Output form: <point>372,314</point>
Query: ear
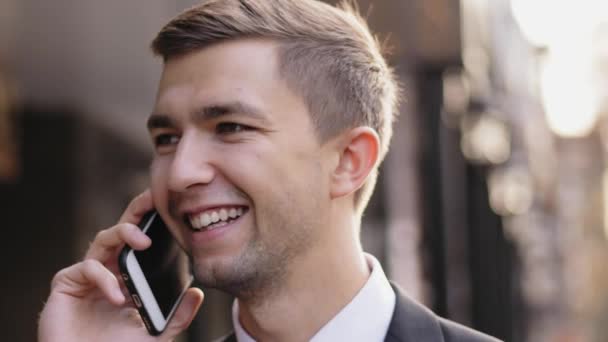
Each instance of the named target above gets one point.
<point>358,150</point>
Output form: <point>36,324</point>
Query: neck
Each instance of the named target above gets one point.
<point>320,283</point>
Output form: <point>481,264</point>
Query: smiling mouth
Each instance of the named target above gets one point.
<point>215,218</point>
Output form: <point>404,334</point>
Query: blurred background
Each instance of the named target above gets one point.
<point>492,207</point>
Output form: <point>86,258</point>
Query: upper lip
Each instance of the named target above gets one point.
<point>199,209</point>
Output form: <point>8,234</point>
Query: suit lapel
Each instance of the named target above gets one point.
<point>412,322</point>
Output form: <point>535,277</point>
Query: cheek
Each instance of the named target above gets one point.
<point>158,187</point>
<point>158,177</point>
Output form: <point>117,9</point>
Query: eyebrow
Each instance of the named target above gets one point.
<point>209,112</point>
<point>230,108</point>
<point>159,121</point>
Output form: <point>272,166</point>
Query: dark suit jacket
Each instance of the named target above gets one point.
<point>413,322</point>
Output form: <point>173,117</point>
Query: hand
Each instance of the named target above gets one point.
<point>88,302</point>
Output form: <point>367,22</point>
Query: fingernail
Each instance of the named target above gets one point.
<point>148,240</point>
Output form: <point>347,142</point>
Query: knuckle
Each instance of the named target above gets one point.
<point>135,202</point>
<point>134,229</point>
<point>101,235</point>
<point>124,230</point>
<point>139,202</point>
<point>90,265</point>
<point>58,276</point>
<point>124,227</point>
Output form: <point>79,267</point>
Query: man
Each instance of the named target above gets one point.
<point>281,110</point>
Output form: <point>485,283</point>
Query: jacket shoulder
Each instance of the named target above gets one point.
<point>412,322</point>
<point>454,332</point>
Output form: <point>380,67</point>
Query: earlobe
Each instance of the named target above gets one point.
<point>358,157</point>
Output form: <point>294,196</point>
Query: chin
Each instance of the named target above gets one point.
<point>211,270</point>
<point>241,276</point>
<point>222,276</point>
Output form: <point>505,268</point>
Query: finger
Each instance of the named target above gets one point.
<point>108,241</point>
<point>184,314</point>
<point>82,278</point>
<point>138,207</point>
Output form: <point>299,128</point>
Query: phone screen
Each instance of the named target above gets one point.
<point>165,266</point>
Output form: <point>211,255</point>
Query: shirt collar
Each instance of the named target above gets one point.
<point>365,318</point>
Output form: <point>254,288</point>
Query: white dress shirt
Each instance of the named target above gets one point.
<point>366,318</point>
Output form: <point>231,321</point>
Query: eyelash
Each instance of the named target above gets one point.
<point>231,128</point>
<point>223,128</point>
<point>161,139</point>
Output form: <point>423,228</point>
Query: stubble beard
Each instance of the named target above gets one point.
<point>261,270</point>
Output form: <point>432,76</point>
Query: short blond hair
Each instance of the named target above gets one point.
<point>327,55</point>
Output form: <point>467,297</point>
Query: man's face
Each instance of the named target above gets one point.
<point>238,172</point>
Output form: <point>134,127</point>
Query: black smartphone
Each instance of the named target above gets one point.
<point>157,278</point>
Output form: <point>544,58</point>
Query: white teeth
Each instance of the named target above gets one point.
<point>217,218</point>
<point>205,220</point>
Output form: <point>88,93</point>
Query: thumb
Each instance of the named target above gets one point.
<point>184,314</point>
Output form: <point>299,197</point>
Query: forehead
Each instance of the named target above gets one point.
<point>241,70</point>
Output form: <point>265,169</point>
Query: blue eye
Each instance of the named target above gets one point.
<point>230,127</point>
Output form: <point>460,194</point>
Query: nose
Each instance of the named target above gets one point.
<point>190,165</point>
